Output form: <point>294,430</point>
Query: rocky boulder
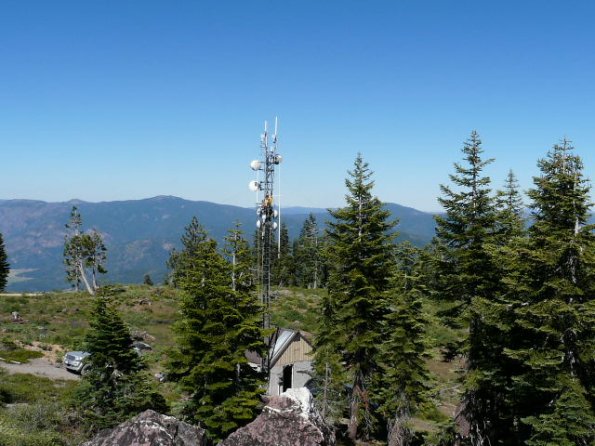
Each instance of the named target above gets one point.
<point>287,420</point>
<point>151,429</point>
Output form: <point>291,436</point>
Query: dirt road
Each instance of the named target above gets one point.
<point>40,367</point>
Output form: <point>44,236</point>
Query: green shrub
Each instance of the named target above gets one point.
<point>26,388</point>
<point>20,355</point>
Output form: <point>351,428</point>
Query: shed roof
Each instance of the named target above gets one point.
<point>280,340</point>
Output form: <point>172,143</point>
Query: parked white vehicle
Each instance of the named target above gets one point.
<point>75,361</point>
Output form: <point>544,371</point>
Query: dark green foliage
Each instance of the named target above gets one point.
<point>360,262</point>
<point>116,387</point>
<point>309,272</point>
<point>462,232</point>
<point>510,222</point>
<point>240,257</point>
<point>283,262</point>
<point>550,292</point>
<point>218,325</point>
<point>109,340</point>
<point>4,266</point>
<point>470,279</point>
<point>488,378</point>
<point>404,379</point>
<point>147,280</point>
<point>180,263</point>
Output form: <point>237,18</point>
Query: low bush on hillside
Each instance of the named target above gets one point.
<point>36,412</point>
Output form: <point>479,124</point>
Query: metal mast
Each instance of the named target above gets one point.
<point>267,222</point>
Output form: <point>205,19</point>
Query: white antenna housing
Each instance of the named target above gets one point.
<point>254,186</point>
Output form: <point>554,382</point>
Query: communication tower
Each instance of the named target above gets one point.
<point>268,221</point>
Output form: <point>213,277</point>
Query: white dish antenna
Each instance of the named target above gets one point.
<point>254,186</point>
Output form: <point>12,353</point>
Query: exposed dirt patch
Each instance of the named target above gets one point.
<point>50,351</point>
<point>40,367</point>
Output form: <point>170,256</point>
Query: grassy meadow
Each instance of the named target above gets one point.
<point>36,410</point>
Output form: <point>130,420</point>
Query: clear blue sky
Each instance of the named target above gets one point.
<point>104,100</point>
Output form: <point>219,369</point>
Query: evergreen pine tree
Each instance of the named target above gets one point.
<point>4,266</point>
<point>551,289</point>
<point>404,379</point>
<point>488,382</point>
<point>116,386</point>
<point>510,221</point>
<point>283,269</point>
<point>241,259</point>
<point>180,262</point>
<point>218,326</point>
<point>469,278</point>
<point>330,375</point>
<point>467,225</point>
<point>307,255</point>
<point>360,261</point>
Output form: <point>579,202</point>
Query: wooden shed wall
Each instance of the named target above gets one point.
<point>299,350</point>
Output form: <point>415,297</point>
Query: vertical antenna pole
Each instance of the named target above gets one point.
<point>278,194</point>
<point>266,225</point>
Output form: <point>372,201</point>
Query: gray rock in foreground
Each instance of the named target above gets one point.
<point>150,429</point>
<point>287,420</point>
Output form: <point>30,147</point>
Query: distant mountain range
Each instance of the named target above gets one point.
<point>140,234</point>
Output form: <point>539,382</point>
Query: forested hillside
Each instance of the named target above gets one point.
<point>139,234</point>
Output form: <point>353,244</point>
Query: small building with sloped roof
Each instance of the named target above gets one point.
<point>290,360</point>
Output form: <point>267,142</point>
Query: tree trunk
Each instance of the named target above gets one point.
<point>90,290</point>
<point>354,411</point>
<point>95,287</point>
<point>325,393</point>
<point>398,434</point>
<point>233,270</point>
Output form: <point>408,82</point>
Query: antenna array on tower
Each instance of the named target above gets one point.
<point>267,222</point>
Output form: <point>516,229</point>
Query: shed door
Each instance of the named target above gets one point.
<point>287,377</point>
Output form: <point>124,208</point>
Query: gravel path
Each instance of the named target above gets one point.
<point>40,367</point>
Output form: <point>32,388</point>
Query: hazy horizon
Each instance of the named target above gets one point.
<point>298,206</point>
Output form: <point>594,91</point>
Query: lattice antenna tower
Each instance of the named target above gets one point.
<point>268,216</point>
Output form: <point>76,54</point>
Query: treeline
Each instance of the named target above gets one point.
<point>524,298</point>
<point>520,291</point>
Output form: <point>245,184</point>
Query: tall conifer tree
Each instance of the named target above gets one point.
<point>307,255</point>
<point>469,279</point>
<point>467,225</point>
<point>117,385</point>
<point>404,379</point>
<point>4,266</point>
<point>488,381</point>
<point>283,268</point>
<point>551,291</point>
<point>180,263</point>
<point>360,261</point>
<point>218,325</point>
<point>510,221</point>
<point>240,258</point>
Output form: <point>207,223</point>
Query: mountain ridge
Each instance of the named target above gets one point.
<point>139,234</point>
